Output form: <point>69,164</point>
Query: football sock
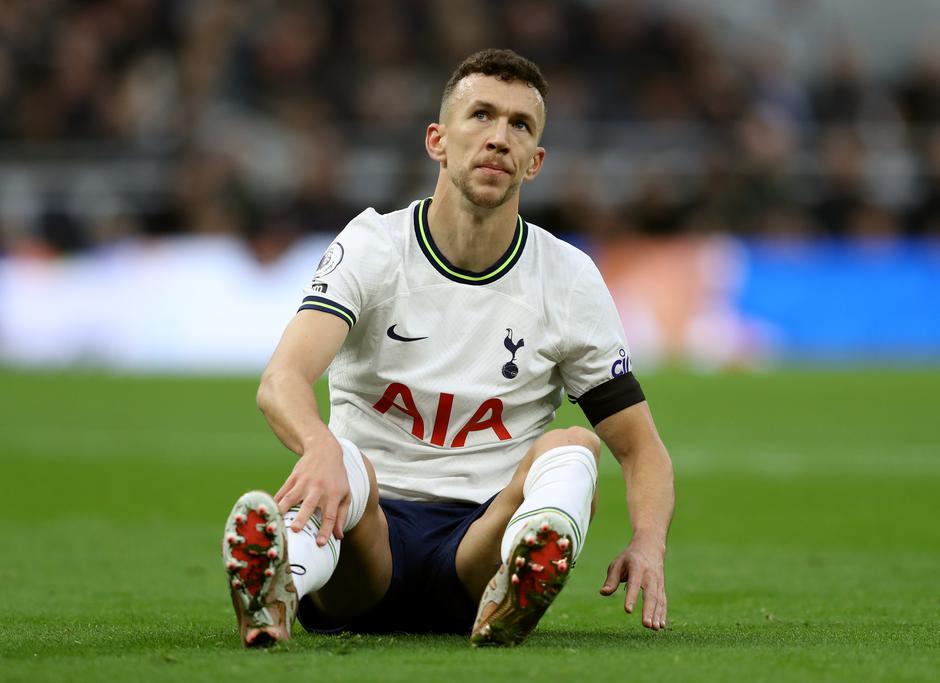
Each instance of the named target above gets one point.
<point>312,566</point>
<point>358,483</point>
<point>561,484</point>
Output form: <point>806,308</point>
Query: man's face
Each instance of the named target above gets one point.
<point>489,138</point>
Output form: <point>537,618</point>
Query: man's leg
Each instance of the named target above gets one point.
<point>270,567</point>
<point>530,535</point>
<point>364,570</point>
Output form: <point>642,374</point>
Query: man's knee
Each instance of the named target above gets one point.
<point>513,494</point>
<point>572,436</point>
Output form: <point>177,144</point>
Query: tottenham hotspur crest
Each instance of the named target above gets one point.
<point>510,369</point>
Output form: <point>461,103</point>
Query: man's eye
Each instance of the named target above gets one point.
<point>480,115</point>
<point>521,125</point>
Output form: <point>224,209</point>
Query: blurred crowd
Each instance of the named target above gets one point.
<point>274,119</point>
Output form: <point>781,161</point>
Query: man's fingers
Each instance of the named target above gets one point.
<point>660,616</point>
<point>650,602</point>
<point>281,492</point>
<point>614,577</point>
<point>633,591</point>
<point>654,606</point>
<point>289,498</point>
<point>327,522</point>
<point>306,509</point>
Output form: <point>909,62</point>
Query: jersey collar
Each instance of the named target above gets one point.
<point>440,263</point>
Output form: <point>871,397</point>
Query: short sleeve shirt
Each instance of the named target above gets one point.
<point>447,376</point>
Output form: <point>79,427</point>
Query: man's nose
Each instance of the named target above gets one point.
<point>499,137</point>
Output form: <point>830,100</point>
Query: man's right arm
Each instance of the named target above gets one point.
<point>285,396</point>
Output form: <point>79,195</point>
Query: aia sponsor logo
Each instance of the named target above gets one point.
<point>489,416</point>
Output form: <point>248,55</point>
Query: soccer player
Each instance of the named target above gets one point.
<point>435,500</point>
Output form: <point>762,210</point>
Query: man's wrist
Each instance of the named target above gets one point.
<point>312,444</point>
<point>655,537</point>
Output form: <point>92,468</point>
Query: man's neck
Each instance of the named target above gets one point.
<point>470,237</point>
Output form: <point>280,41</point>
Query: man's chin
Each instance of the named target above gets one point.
<point>487,201</point>
<point>487,197</point>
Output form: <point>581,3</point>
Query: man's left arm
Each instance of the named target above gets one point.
<point>632,437</point>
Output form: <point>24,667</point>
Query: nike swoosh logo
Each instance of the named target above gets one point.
<point>398,337</point>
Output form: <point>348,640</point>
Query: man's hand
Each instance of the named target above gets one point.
<point>641,566</point>
<point>318,481</point>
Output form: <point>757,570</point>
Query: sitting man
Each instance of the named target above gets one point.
<point>435,500</point>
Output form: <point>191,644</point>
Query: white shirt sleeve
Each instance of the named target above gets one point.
<point>353,270</point>
<point>596,349</point>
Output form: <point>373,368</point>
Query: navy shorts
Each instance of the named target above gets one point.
<point>425,594</point>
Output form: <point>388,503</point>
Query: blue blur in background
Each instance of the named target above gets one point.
<point>849,301</point>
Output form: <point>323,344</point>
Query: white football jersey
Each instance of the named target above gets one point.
<point>448,376</point>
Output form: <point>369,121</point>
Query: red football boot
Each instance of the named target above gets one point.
<point>254,549</point>
<point>520,592</point>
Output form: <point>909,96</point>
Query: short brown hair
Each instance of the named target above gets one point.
<point>505,65</point>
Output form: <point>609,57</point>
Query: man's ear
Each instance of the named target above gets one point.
<point>535,165</point>
<point>435,142</point>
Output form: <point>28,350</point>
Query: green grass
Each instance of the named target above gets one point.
<point>806,542</point>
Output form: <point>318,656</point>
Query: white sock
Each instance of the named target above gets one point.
<point>311,565</point>
<point>560,483</point>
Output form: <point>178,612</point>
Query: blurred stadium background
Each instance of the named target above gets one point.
<point>759,181</point>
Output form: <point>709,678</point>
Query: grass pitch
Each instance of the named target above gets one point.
<point>806,542</point>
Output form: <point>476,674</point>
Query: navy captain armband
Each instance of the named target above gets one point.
<point>610,397</point>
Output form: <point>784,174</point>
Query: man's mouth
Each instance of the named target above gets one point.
<point>494,169</point>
